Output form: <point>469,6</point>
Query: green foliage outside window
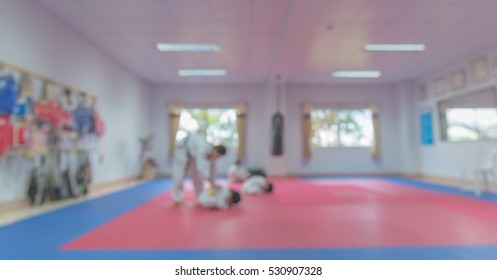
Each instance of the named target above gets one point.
<point>342,128</point>
<point>216,124</point>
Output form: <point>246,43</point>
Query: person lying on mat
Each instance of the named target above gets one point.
<point>237,173</point>
<point>257,184</point>
<point>195,155</point>
<point>218,198</point>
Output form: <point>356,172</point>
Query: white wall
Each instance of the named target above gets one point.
<point>408,129</point>
<point>447,159</point>
<point>344,160</point>
<point>35,40</point>
<point>261,106</point>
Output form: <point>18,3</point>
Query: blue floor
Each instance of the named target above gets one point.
<point>40,237</point>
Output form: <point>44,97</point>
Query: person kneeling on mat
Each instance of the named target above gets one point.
<point>257,184</point>
<point>195,155</point>
<point>218,198</point>
<point>237,173</point>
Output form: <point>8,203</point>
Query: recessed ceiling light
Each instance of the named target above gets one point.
<point>201,72</point>
<point>356,74</point>
<point>394,47</point>
<point>171,47</point>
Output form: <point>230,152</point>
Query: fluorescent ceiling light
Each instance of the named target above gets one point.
<point>201,72</point>
<point>356,74</point>
<point>394,47</point>
<point>169,47</point>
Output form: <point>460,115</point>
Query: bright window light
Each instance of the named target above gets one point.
<point>356,74</point>
<point>217,124</point>
<point>170,47</point>
<point>342,127</point>
<point>394,47</point>
<point>201,72</point>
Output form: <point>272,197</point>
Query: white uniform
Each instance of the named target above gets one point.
<point>254,185</point>
<point>237,173</point>
<point>214,198</point>
<point>191,155</point>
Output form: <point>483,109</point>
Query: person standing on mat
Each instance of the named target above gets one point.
<point>195,155</point>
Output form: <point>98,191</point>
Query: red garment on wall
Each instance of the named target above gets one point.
<point>6,131</point>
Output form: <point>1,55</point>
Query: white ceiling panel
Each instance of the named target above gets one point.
<point>108,10</point>
<point>150,10</point>
<point>238,10</point>
<point>186,11</point>
<point>302,40</point>
<point>269,10</point>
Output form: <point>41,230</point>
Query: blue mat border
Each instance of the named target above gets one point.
<point>40,237</point>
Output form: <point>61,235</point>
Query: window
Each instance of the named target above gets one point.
<point>218,125</point>
<point>469,118</point>
<point>342,128</point>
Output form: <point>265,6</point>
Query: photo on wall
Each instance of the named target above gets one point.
<point>439,86</point>
<point>458,79</point>
<point>480,70</point>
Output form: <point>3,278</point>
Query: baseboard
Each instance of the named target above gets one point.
<point>111,184</point>
<point>95,189</point>
<point>14,205</point>
<point>438,179</point>
<point>344,175</point>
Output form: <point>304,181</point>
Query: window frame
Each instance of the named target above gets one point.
<point>339,108</point>
<point>211,107</point>
<point>442,115</point>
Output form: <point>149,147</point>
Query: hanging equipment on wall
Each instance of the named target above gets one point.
<point>277,123</point>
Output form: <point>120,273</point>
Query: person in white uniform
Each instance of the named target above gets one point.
<point>195,155</point>
<point>220,198</point>
<point>257,185</point>
<point>237,173</point>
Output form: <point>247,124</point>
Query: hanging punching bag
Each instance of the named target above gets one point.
<point>277,129</point>
<point>277,134</point>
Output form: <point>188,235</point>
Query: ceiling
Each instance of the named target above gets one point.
<point>303,41</point>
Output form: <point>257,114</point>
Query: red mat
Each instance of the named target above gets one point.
<point>300,214</point>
